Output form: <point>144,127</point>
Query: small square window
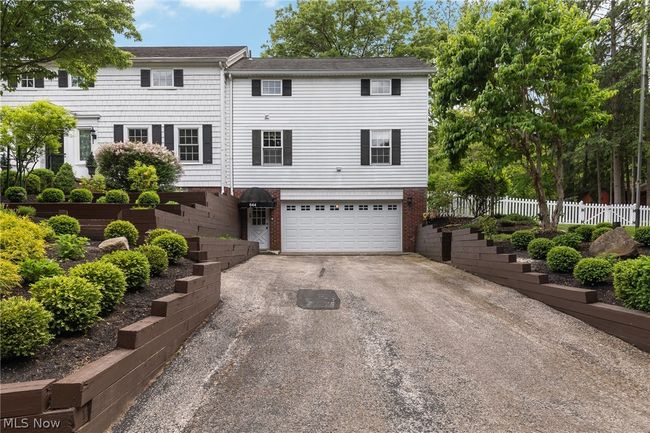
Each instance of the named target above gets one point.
<point>377,207</point>
<point>380,87</point>
<point>334,207</point>
<point>188,144</point>
<point>348,207</point>
<point>363,207</point>
<point>392,207</point>
<point>138,135</point>
<point>291,207</point>
<point>27,81</point>
<point>305,207</point>
<point>272,147</point>
<point>320,207</point>
<point>162,78</point>
<point>272,87</point>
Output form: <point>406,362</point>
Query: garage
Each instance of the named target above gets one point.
<point>340,226</point>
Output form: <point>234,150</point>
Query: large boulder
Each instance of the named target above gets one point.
<point>113,244</point>
<point>616,241</point>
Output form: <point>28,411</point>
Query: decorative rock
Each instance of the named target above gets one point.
<point>114,244</point>
<point>617,241</point>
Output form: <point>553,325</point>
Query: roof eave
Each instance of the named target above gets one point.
<point>179,59</point>
<point>353,73</point>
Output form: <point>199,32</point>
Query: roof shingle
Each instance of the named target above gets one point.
<point>164,52</point>
<point>331,65</point>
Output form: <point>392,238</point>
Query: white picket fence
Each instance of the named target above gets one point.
<point>573,213</point>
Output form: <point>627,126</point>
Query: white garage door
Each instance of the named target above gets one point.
<point>342,227</point>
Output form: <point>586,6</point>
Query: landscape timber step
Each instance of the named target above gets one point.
<point>24,398</point>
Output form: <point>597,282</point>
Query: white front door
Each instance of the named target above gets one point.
<point>258,227</point>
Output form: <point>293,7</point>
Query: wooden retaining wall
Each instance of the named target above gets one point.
<point>228,252</point>
<point>93,397</point>
<point>433,243</point>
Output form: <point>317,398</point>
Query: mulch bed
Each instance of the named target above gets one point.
<point>67,354</point>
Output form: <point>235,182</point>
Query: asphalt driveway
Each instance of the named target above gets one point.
<point>416,346</point>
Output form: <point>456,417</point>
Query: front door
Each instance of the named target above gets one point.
<point>258,227</point>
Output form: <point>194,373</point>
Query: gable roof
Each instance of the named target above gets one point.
<point>330,66</point>
<point>213,53</point>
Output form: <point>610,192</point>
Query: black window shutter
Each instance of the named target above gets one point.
<point>396,147</point>
<point>365,147</point>
<point>145,78</point>
<point>396,86</point>
<point>13,82</point>
<point>287,147</point>
<point>169,137</point>
<point>39,82</point>
<point>256,87</point>
<point>63,78</point>
<point>156,134</point>
<point>257,147</point>
<point>286,87</point>
<point>365,87</point>
<point>118,133</point>
<point>178,78</point>
<point>207,144</point>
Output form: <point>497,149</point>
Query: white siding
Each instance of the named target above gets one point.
<point>326,116</point>
<point>118,99</point>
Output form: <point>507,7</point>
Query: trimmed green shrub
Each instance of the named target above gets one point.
<point>64,225</point>
<point>171,202</point>
<point>174,245</point>
<point>134,265</point>
<point>599,232</point>
<point>642,236</point>
<point>605,225</point>
<point>562,259</point>
<point>148,199</point>
<point>64,179</point>
<point>109,278</point>
<point>153,234</point>
<point>24,327</point>
<point>81,195</point>
<point>97,183</point>
<point>632,283</point>
<point>101,199</point>
<point>20,238</point>
<point>33,270</point>
<point>45,175</point>
<point>585,231</point>
<point>71,247</point>
<point>46,231</point>
<point>572,240</point>
<point>51,195</point>
<point>117,196</point>
<point>610,257</point>
<point>16,194</point>
<point>521,238</point>
<point>573,228</point>
<point>592,271</point>
<point>74,302</point>
<point>539,248</point>
<point>122,228</point>
<point>6,183</point>
<point>9,276</point>
<point>143,177</point>
<point>157,258</point>
<point>33,184</point>
<point>26,211</point>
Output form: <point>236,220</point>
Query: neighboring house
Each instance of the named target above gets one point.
<point>326,155</point>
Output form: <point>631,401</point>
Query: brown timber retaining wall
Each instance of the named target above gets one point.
<point>228,252</point>
<point>433,243</point>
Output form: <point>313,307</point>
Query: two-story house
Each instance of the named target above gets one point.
<point>326,155</point>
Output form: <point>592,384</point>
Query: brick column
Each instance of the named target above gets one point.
<point>412,215</point>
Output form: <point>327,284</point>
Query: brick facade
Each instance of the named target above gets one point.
<point>413,206</point>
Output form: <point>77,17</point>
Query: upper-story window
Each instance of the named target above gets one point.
<point>272,147</point>
<point>162,78</point>
<point>27,81</point>
<point>188,144</point>
<point>380,87</point>
<point>139,135</point>
<point>272,87</point>
<point>380,147</point>
<point>75,81</point>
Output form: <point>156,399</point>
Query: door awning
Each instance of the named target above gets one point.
<point>256,197</point>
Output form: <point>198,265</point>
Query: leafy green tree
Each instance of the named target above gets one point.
<point>28,131</point>
<point>78,36</point>
<point>520,79</point>
<point>483,184</point>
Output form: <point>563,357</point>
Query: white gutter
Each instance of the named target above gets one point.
<point>232,137</point>
<point>221,122</point>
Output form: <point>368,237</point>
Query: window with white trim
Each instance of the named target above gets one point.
<point>271,87</point>
<point>334,207</point>
<point>305,207</point>
<point>138,135</point>
<point>162,78</point>
<point>272,147</point>
<point>392,207</point>
<point>320,207</point>
<point>85,143</point>
<point>291,207</point>
<point>363,207</point>
<point>188,144</point>
<point>27,81</point>
<point>348,207</point>
<point>380,87</point>
<point>377,207</point>
<point>75,81</point>
<point>380,147</point>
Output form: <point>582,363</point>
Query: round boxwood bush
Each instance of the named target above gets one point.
<point>598,232</point>
<point>109,278</point>
<point>521,238</point>
<point>16,194</point>
<point>585,232</point>
<point>148,199</point>
<point>64,225</point>
<point>153,234</point>
<point>572,240</point>
<point>157,258</point>
<point>9,276</point>
<point>74,302</point>
<point>632,283</point>
<point>45,175</point>
<point>27,211</point>
<point>605,225</point>
<point>122,228</point>
<point>51,195</point>
<point>81,195</point>
<point>117,196</point>
<point>174,245</point>
<point>33,270</point>
<point>134,265</point>
<point>642,236</point>
<point>33,184</point>
<point>539,248</point>
<point>562,259</point>
<point>24,327</point>
<point>592,271</point>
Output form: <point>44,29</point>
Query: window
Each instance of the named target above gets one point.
<point>162,78</point>
<point>305,207</point>
<point>363,207</point>
<point>27,81</point>
<point>380,87</point>
<point>291,207</point>
<point>75,81</point>
<point>188,144</point>
<point>272,147</point>
<point>392,207</point>
<point>334,207</point>
<point>320,207</point>
<point>272,87</point>
<point>380,147</point>
<point>377,207</point>
<point>348,207</point>
<point>139,135</point>
<point>258,217</point>
<point>85,143</point>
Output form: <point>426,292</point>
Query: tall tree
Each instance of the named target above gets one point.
<point>521,79</point>
<point>76,35</point>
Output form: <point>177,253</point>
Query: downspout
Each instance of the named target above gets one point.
<point>222,87</point>
<point>232,137</point>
